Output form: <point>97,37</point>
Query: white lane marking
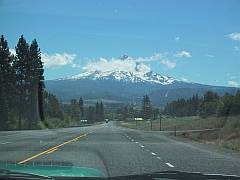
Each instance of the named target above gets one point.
<point>159,158</point>
<point>136,142</point>
<point>170,165</point>
<point>5,142</point>
<point>153,153</point>
<point>142,146</point>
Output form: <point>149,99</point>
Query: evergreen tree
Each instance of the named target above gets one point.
<point>209,104</point>
<point>35,84</point>
<point>101,112</point>
<point>81,107</point>
<point>225,104</point>
<point>236,104</point>
<point>7,78</point>
<point>74,109</point>
<point>20,67</point>
<point>91,114</point>
<point>146,107</point>
<point>4,111</point>
<point>52,106</point>
<point>97,108</point>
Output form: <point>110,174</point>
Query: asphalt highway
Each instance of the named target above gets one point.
<point>115,150</point>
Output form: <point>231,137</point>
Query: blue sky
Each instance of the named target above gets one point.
<point>197,41</point>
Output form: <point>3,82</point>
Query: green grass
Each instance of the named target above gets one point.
<point>181,123</point>
<point>227,136</point>
<point>54,123</point>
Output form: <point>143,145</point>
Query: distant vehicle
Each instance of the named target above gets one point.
<point>106,120</point>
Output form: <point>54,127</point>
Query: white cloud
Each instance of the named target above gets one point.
<point>183,54</point>
<point>58,60</point>
<point>233,77</point>
<point>128,63</point>
<point>184,79</point>
<point>210,55</point>
<point>168,63</point>
<point>234,36</point>
<point>113,64</point>
<point>154,57</point>
<point>236,48</point>
<point>233,83</point>
<point>177,38</point>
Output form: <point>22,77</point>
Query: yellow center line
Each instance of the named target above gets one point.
<point>52,149</point>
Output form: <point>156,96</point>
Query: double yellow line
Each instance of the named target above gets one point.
<point>50,150</point>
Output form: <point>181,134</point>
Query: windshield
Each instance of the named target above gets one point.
<point>117,88</point>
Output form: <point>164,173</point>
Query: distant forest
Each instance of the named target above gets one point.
<point>209,104</point>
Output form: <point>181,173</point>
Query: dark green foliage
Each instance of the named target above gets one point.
<point>81,107</point>
<point>4,110</point>
<point>99,112</point>
<point>97,109</point>
<point>209,104</point>
<point>236,104</point>
<point>74,110</point>
<point>23,83</point>
<point>52,107</point>
<point>225,104</point>
<point>6,83</point>
<point>146,107</point>
<point>91,114</point>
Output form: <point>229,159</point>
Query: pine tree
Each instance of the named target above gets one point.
<point>35,85</point>
<point>4,111</point>
<point>146,107</point>
<point>20,67</point>
<point>209,104</point>
<point>7,80</point>
<point>101,113</point>
<point>236,103</point>
<point>97,112</point>
<point>81,107</point>
<point>91,114</point>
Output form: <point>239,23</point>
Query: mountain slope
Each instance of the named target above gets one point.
<point>124,76</point>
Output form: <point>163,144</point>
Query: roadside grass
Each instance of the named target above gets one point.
<point>181,123</point>
<point>52,123</point>
<point>227,133</point>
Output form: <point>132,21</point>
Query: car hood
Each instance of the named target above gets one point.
<point>53,170</point>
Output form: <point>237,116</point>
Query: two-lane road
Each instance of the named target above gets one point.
<point>114,151</point>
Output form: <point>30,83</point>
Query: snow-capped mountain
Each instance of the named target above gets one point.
<point>124,76</point>
<point>127,86</point>
<point>141,73</point>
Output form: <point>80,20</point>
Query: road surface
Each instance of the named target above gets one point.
<point>115,150</point>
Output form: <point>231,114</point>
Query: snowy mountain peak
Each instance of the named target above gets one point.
<point>125,70</point>
<point>125,76</point>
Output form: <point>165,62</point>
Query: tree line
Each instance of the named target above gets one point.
<point>210,104</point>
<point>21,85</point>
<point>146,112</point>
<point>64,114</point>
